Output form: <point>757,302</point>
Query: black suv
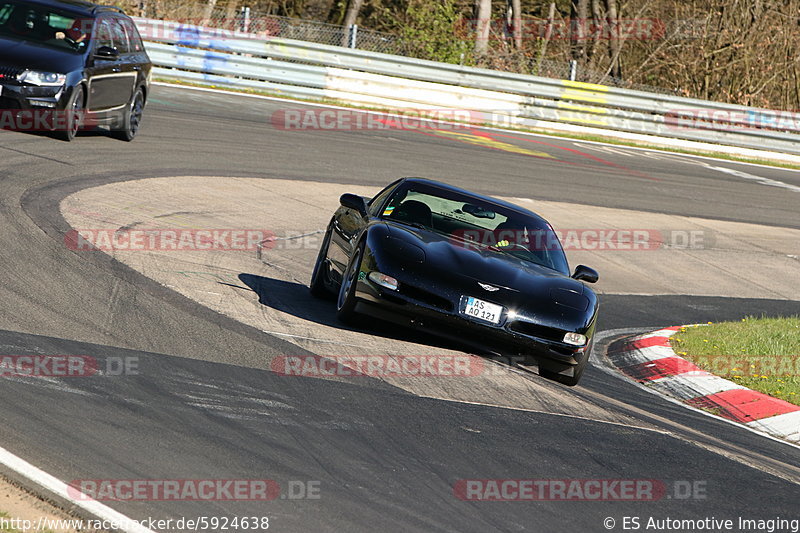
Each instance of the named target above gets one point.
<point>75,62</point>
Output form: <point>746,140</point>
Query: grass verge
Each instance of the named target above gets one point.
<point>762,354</point>
<point>543,131</point>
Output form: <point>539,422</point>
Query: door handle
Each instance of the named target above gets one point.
<point>116,70</point>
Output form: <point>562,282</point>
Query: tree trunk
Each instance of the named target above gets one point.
<point>516,22</point>
<point>548,32</point>
<point>579,14</point>
<point>614,38</point>
<point>483,15</point>
<point>598,22</point>
<point>350,18</point>
<point>208,11</point>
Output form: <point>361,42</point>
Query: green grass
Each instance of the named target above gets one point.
<point>5,529</point>
<point>762,354</point>
<point>552,133</point>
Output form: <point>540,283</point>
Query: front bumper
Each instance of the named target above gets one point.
<point>27,97</point>
<point>498,339</point>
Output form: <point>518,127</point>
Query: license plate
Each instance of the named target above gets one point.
<point>482,310</point>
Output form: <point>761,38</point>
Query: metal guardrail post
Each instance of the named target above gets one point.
<point>353,39</point>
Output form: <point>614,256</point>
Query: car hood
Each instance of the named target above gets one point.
<point>519,282</point>
<point>34,56</point>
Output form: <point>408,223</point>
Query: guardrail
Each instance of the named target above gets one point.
<point>311,70</point>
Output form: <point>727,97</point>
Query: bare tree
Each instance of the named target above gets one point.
<point>515,9</point>
<point>614,38</point>
<point>579,13</point>
<point>208,11</point>
<point>353,8</point>
<point>483,16</point>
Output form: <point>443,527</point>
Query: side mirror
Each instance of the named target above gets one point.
<point>106,52</point>
<point>353,201</point>
<point>584,273</point>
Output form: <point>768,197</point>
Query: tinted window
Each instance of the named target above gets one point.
<point>475,223</point>
<point>119,37</point>
<point>41,24</point>
<point>133,35</point>
<point>379,199</point>
<point>104,34</point>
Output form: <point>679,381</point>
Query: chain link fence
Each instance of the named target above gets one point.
<point>266,26</point>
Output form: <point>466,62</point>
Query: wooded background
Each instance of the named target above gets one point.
<point>740,51</point>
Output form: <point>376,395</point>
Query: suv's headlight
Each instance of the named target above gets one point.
<point>47,79</point>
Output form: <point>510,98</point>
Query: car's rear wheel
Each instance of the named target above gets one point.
<point>319,279</point>
<point>346,302</point>
<point>132,117</point>
<point>577,371</point>
<point>73,115</point>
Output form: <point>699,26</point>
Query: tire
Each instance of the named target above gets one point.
<point>577,370</point>
<point>346,301</point>
<point>73,111</point>
<point>319,279</point>
<point>132,118</point>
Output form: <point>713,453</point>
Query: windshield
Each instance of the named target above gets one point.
<point>41,24</point>
<point>470,222</point>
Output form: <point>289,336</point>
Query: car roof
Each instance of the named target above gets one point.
<point>80,7</point>
<point>488,199</point>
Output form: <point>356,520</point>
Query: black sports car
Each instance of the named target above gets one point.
<point>427,254</point>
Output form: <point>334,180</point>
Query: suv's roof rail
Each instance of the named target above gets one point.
<point>97,9</point>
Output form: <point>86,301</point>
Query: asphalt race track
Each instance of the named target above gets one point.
<point>205,405</point>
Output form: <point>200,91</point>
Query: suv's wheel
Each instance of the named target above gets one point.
<point>73,115</point>
<point>132,117</point>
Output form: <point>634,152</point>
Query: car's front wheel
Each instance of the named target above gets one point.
<point>73,115</point>
<point>132,117</point>
<point>577,370</point>
<point>319,279</point>
<point>346,302</point>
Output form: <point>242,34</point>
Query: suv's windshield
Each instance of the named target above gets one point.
<point>470,222</point>
<point>41,24</point>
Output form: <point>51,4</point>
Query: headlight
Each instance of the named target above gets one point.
<point>46,79</point>
<point>383,280</point>
<point>575,339</point>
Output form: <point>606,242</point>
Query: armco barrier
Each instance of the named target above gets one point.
<point>310,70</point>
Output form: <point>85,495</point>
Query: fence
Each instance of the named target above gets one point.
<point>310,70</point>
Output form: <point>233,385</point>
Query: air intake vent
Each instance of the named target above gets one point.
<point>10,72</point>
<point>535,330</point>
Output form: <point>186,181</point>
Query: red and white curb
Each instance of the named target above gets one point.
<point>650,360</point>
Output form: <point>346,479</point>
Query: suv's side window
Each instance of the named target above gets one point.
<point>119,37</point>
<point>104,34</point>
<point>133,35</point>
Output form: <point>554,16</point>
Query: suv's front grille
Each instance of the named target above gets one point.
<point>10,72</point>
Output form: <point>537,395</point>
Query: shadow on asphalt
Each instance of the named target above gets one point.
<point>294,299</point>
